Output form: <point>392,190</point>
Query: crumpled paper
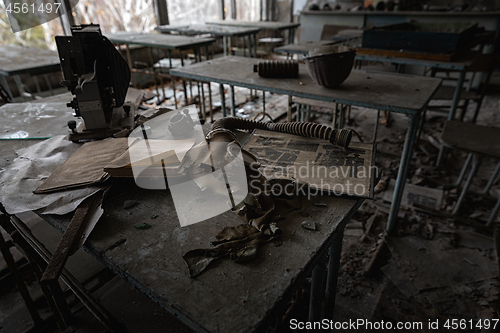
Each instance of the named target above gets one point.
<point>28,171</point>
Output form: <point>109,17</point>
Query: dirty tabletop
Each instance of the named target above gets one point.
<point>393,92</point>
<point>400,93</point>
<point>212,29</point>
<point>228,297</point>
<point>15,60</point>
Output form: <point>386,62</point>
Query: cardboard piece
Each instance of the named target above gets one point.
<point>429,197</point>
<point>150,158</point>
<point>85,166</point>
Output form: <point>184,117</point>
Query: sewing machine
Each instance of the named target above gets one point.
<point>98,76</point>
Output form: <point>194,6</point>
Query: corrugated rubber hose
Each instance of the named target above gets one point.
<point>341,137</point>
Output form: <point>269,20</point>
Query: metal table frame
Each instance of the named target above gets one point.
<point>169,42</point>
<point>31,68</point>
<point>295,87</point>
<point>217,30</point>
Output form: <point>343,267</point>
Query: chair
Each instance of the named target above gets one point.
<point>479,141</point>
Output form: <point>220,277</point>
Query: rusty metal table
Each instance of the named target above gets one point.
<point>399,93</point>
<point>16,60</point>
<point>226,32</point>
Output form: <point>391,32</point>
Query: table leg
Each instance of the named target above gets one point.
<point>374,139</point>
<point>403,171</point>
<point>47,81</point>
<point>317,290</point>
<point>456,95</point>
<point>129,60</point>
<point>249,37</point>
<point>211,110</point>
<point>172,79</point>
<point>264,102</point>
<point>222,100</point>
<point>5,84</point>
<point>334,121</point>
<point>491,180</point>
<point>40,256</point>
<point>202,102</point>
<point>475,166</point>
<point>255,45</point>
<point>343,109</point>
<point>453,110</point>
<point>494,213</point>
<point>199,98</point>
<point>19,85</point>
<point>154,73</point>
<point>21,286</point>
<point>224,45</point>
<point>233,103</point>
<point>37,84</point>
<point>464,169</point>
<point>333,272</point>
<point>184,84</point>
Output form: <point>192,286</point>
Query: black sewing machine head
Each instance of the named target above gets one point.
<point>95,72</point>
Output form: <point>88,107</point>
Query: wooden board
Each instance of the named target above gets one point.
<point>412,194</point>
<point>473,138</point>
<point>16,59</point>
<point>159,40</point>
<point>393,92</point>
<point>228,297</point>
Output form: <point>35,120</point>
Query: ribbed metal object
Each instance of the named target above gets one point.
<point>277,68</point>
<point>341,137</point>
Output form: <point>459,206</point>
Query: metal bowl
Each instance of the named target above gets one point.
<point>330,65</point>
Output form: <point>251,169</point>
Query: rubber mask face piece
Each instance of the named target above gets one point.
<point>205,178</point>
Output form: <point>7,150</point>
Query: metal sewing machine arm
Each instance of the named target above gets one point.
<point>98,76</point>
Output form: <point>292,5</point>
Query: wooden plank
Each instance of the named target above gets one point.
<point>71,238</point>
<point>228,297</point>
<point>472,138</point>
<point>392,92</point>
<point>268,25</point>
